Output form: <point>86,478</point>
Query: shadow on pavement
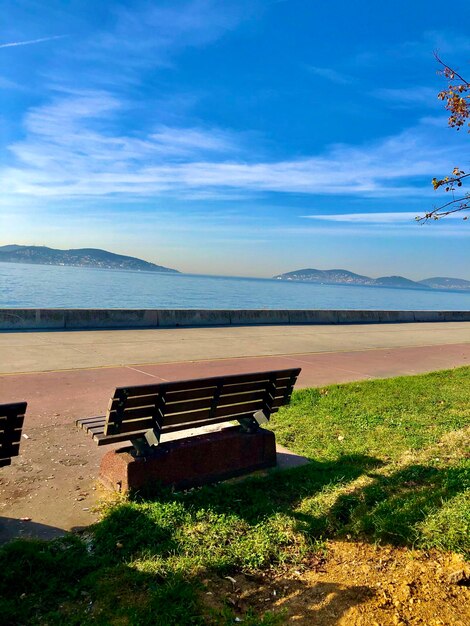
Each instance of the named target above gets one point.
<point>11,528</point>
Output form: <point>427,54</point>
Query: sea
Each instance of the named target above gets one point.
<point>47,286</point>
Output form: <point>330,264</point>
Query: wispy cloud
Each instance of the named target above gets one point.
<point>6,83</point>
<point>410,97</point>
<point>29,42</point>
<point>391,217</point>
<point>330,74</point>
<point>74,146</point>
<point>151,34</point>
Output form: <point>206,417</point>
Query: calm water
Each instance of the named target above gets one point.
<point>76,287</point>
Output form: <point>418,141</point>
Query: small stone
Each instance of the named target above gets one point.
<point>25,519</point>
<point>25,436</point>
<point>457,577</point>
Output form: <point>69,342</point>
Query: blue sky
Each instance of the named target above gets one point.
<point>244,137</point>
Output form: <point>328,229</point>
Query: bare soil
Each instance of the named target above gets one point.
<point>357,584</point>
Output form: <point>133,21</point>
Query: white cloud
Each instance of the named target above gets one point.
<point>418,96</point>
<point>150,34</point>
<point>330,74</point>
<point>28,42</point>
<point>74,146</point>
<point>6,83</point>
<point>367,218</point>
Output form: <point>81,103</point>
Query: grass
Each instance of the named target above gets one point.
<point>390,463</point>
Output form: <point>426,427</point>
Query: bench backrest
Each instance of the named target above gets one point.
<point>181,405</point>
<point>11,423</point>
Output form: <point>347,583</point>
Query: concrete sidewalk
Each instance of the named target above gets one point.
<point>56,350</point>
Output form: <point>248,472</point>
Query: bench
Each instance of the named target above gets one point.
<point>11,423</point>
<point>143,414</point>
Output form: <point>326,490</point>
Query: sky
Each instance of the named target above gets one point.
<point>233,137</point>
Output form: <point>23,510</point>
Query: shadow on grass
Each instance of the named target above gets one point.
<point>392,507</point>
<point>61,582</point>
<point>145,562</point>
<point>389,508</point>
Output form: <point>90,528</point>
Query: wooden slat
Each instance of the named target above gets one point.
<point>142,419</point>
<point>14,421</point>
<point>10,449</point>
<point>199,383</point>
<point>9,438</point>
<point>13,409</point>
<point>223,411</point>
<point>201,423</point>
<point>102,440</point>
<point>90,421</point>
<point>186,405</point>
<point>98,430</point>
<point>136,409</point>
<point>194,394</point>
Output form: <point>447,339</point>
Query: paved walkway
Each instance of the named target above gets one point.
<point>52,482</point>
<point>42,351</point>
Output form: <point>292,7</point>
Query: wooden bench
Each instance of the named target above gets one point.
<point>142,414</point>
<point>11,424</point>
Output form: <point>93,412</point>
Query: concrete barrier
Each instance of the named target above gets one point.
<point>27,319</point>
<point>258,316</point>
<point>168,318</point>
<point>76,319</point>
<point>110,318</point>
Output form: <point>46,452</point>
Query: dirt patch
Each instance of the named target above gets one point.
<point>357,584</point>
<point>51,487</point>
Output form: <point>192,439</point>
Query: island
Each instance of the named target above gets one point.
<point>345,277</point>
<point>81,257</point>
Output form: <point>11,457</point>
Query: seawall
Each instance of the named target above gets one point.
<point>78,319</point>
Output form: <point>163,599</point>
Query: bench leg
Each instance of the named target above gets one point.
<point>252,423</point>
<point>146,444</point>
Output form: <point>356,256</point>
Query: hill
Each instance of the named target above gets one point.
<point>440,282</point>
<point>81,257</point>
<point>345,277</point>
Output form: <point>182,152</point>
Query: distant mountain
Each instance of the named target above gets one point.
<point>345,277</point>
<point>446,283</point>
<point>82,257</point>
<point>399,281</point>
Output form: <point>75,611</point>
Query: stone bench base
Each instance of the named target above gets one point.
<point>191,462</point>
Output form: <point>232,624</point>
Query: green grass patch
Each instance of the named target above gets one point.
<point>380,418</point>
<point>390,462</point>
